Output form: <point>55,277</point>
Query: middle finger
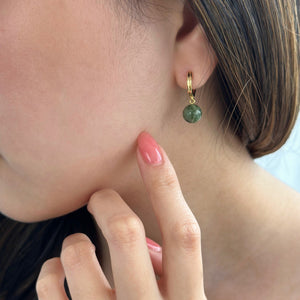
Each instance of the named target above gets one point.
<point>133,274</point>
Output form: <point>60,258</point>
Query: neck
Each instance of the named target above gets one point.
<point>238,205</point>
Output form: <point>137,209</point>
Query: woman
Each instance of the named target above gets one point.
<point>83,83</point>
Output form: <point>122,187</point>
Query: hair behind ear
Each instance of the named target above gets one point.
<point>257,46</point>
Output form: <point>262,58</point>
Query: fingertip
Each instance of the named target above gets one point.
<point>76,238</point>
<point>51,266</point>
<point>149,149</point>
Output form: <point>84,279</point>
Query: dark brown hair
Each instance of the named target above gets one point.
<point>257,45</point>
<point>25,247</point>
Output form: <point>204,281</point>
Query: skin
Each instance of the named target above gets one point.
<point>80,80</point>
<point>133,272</point>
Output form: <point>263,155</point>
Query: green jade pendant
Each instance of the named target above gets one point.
<point>192,113</point>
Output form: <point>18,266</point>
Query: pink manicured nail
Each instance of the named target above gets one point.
<point>153,246</point>
<point>149,149</point>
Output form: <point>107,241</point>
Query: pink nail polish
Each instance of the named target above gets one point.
<point>153,246</point>
<point>149,149</point>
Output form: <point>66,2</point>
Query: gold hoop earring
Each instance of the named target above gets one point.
<point>192,113</point>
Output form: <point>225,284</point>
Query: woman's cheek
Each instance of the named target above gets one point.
<point>67,87</point>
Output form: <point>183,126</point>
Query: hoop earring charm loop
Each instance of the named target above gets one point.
<point>192,113</point>
<point>191,92</point>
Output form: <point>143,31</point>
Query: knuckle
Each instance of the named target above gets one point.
<point>75,253</point>
<point>45,285</point>
<point>124,229</point>
<point>187,235</point>
<point>165,180</point>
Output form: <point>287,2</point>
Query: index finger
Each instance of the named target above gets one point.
<point>161,183</point>
<point>181,249</point>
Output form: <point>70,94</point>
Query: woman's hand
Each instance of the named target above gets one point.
<point>181,272</point>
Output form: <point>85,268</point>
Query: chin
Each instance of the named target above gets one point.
<point>20,217</point>
<point>34,216</point>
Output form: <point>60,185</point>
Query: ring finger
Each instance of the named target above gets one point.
<point>85,277</point>
<point>50,283</point>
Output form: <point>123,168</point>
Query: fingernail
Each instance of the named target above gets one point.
<point>153,246</point>
<point>149,149</point>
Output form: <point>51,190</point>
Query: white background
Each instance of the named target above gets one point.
<point>285,162</point>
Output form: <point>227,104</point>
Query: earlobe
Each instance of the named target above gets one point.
<point>193,53</point>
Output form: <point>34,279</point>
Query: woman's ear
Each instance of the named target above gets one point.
<point>193,52</point>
